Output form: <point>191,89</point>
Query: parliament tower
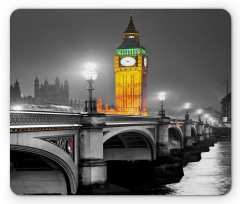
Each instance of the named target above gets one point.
<point>131,65</point>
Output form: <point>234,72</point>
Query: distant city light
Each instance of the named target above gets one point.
<point>206,116</point>
<point>162,96</point>
<point>90,73</point>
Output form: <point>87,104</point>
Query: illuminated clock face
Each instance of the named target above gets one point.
<point>128,61</point>
<point>145,62</point>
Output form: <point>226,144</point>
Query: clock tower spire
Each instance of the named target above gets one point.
<point>130,64</point>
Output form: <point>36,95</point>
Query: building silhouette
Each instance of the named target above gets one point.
<point>226,108</point>
<point>76,105</point>
<point>15,93</point>
<point>46,93</point>
<point>105,108</point>
<point>51,93</point>
<point>130,66</point>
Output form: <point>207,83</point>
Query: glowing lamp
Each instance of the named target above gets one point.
<point>17,107</point>
<point>206,116</point>
<point>199,111</point>
<point>187,105</point>
<point>162,96</point>
<point>90,73</point>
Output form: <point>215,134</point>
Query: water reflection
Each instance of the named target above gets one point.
<point>210,176</point>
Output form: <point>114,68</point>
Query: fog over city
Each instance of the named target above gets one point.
<point>189,52</point>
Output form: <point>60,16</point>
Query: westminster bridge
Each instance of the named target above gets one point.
<point>59,153</point>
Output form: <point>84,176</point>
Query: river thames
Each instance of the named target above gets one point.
<point>210,176</point>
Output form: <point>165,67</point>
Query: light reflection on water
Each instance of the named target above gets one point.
<point>210,176</point>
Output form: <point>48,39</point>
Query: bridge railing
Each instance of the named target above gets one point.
<point>38,118</point>
<point>181,121</point>
<point>24,118</point>
<point>134,118</point>
<point>130,119</point>
<point>173,120</point>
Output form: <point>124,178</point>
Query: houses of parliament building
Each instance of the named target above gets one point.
<point>43,93</point>
<point>51,93</point>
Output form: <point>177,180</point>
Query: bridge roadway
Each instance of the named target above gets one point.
<point>57,153</point>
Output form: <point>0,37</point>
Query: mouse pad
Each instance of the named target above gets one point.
<point>120,102</point>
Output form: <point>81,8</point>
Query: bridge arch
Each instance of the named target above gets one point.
<point>176,139</point>
<point>129,144</point>
<point>194,133</point>
<point>59,170</point>
<point>38,145</point>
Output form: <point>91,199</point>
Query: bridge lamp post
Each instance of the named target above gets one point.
<point>213,121</point>
<point>162,97</point>
<point>187,105</point>
<point>199,115</point>
<point>90,75</point>
<point>206,116</point>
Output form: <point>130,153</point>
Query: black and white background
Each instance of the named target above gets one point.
<point>9,6</point>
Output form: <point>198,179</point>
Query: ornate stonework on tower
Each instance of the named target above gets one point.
<point>131,65</point>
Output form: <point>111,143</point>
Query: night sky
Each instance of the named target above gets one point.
<point>189,51</point>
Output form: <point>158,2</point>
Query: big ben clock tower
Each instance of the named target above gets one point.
<point>131,65</point>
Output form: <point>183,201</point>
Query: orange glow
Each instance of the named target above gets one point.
<point>130,87</point>
<point>106,110</point>
<point>177,124</point>
<point>130,66</point>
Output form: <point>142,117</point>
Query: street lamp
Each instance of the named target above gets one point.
<point>90,75</point>
<point>187,105</point>
<point>162,97</point>
<point>206,116</point>
<point>213,122</point>
<point>199,115</point>
<point>17,107</point>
